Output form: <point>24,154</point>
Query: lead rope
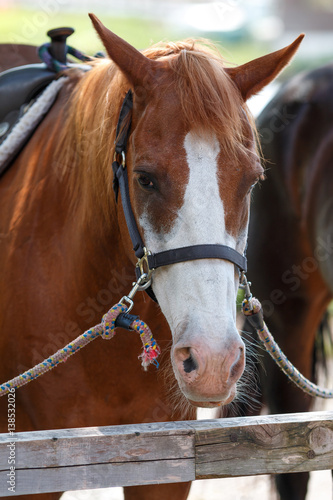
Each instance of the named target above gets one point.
<point>116,316</point>
<point>252,310</point>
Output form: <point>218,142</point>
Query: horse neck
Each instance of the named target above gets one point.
<point>90,251</point>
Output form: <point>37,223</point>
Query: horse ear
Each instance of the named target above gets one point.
<point>140,71</point>
<point>251,77</point>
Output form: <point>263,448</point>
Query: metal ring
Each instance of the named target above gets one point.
<point>143,265</point>
<point>123,158</point>
<point>129,301</point>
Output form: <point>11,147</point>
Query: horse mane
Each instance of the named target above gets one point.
<point>209,99</point>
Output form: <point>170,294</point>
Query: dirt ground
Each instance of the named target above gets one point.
<point>242,488</point>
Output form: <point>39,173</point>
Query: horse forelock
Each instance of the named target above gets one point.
<point>209,100</point>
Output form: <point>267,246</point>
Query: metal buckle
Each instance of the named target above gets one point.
<point>245,285</point>
<point>144,268</point>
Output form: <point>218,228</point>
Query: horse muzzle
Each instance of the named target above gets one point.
<point>207,377</point>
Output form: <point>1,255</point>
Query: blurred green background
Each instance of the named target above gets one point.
<point>24,25</point>
<point>243,29</point>
<point>29,26</point>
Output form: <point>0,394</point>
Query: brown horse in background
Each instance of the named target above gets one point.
<point>12,55</point>
<point>290,246</point>
<point>66,254</point>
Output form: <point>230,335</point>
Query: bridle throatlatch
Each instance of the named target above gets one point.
<point>252,310</point>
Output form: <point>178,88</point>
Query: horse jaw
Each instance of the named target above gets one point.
<point>198,298</point>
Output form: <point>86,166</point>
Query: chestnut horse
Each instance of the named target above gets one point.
<point>66,253</point>
<point>290,252</point>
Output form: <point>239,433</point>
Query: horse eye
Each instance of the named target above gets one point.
<point>145,181</point>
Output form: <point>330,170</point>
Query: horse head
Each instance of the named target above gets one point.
<point>192,162</point>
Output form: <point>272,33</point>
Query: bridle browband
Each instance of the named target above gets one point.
<point>147,261</point>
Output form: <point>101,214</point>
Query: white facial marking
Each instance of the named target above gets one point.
<point>197,296</point>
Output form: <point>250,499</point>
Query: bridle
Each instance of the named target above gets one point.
<point>147,261</point>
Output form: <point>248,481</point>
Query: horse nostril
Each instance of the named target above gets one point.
<point>190,365</point>
<point>238,366</point>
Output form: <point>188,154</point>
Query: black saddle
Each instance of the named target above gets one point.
<point>18,88</point>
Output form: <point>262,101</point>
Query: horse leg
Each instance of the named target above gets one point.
<point>292,486</point>
<point>177,491</point>
<point>284,397</point>
<point>36,496</point>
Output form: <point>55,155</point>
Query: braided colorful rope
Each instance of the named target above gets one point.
<point>106,329</point>
<point>253,307</point>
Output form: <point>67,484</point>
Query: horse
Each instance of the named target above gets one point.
<point>290,236</point>
<point>66,251</point>
<point>12,55</point>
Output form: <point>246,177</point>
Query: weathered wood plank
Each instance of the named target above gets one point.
<point>99,476</point>
<point>100,457</point>
<point>266,445</point>
<point>67,447</point>
<point>58,460</point>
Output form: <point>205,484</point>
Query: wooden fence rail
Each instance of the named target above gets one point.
<point>101,457</point>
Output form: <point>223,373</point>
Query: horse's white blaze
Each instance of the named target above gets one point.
<point>197,297</point>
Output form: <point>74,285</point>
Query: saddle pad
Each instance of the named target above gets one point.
<point>25,127</point>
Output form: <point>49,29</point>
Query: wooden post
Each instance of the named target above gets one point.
<point>101,457</point>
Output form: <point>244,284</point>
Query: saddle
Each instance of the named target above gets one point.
<point>21,86</point>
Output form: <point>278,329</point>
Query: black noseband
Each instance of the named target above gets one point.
<point>150,261</point>
<point>196,252</point>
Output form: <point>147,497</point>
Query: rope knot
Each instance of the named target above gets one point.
<point>253,312</point>
<point>117,316</point>
<point>109,320</point>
